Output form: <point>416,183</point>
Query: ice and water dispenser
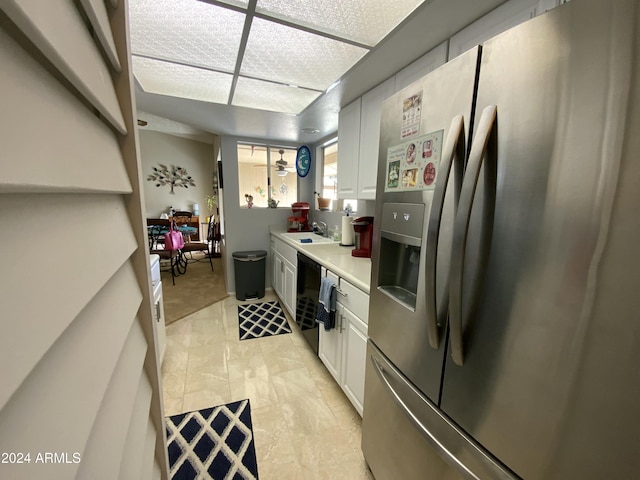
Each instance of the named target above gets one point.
<point>400,244</point>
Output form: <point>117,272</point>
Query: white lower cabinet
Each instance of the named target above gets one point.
<point>278,277</point>
<point>273,267</point>
<point>343,348</point>
<point>284,281</point>
<point>330,341</point>
<point>158,308</point>
<point>283,274</point>
<point>354,357</point>
<point>330,349</point>
<point>289,287</point>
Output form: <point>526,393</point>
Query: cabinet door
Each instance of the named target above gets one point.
<point>273,270</point>
<point>159,324</point>
<point>354,358</point>
<point>348,150</point>
<point>370,112</point>
<point>279,275</point>
<point>289,287</point>
<point>330,346</point>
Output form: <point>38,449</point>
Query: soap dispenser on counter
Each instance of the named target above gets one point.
<point>335,233</point>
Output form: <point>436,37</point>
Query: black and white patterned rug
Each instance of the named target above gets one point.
<point>214,443</point>
<point>261,320</point>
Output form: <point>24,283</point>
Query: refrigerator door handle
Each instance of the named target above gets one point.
<point>479,150</point>
<point>453,155</point>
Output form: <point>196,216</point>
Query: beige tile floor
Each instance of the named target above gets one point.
<point>304,426</point>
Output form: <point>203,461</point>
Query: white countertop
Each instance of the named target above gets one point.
<point>334,257</point>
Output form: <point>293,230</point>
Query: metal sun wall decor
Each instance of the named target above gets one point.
<point>174,176</point>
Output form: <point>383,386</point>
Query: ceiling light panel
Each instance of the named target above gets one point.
<point>287,55</point>
<point>362,21</point>
<point>271,96</point>
<point>166,78</point>
<point>186,31</point>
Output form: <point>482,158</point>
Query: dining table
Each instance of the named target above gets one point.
<point>157,232</point>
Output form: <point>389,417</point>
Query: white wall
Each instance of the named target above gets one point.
<point>248,229</point>
<point>245,229</point>
<point>197,157</point>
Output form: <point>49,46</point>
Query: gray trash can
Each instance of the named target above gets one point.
<point>250,273</point>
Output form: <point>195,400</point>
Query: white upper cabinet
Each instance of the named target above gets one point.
<point>425,64</point>
<point>359,128</point>
<point>359,122</point>
<point>371,110</point>
<point>348,149</point>
<point>358,138</point>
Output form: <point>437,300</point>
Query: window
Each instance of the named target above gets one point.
<point>330,170</point>
<point>330,177</point>
<point>267,173</point>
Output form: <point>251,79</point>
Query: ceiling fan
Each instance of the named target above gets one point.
<point>281,165</point>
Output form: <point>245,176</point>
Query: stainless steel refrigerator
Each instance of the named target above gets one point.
<point>505,295</point>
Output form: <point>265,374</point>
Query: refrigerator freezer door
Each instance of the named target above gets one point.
<point>400,327</point>
<point>549,383</point>
<point>409,438</point>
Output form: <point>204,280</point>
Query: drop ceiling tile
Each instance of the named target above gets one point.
<point>176,80</point>
<point>186,31</point>
<point>238,3</point>
<point>271,96</point>
<point>363,21</point>
<point>287,55</point>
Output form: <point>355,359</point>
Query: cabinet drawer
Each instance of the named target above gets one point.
<point>331,275</point>
<point>354,299</point>
<point>287,251</point>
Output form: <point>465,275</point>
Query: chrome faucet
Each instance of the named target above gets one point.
<point>320,228</point>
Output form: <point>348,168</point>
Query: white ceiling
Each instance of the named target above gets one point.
<point>431,23</point>
<point>275,55</point>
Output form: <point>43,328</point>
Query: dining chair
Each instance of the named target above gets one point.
<point>156,230</point>
<point>202,246</point>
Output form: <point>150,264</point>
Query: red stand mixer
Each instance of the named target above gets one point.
<point>299,221</point>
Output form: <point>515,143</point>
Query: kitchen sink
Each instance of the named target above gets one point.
<point>315,239</point>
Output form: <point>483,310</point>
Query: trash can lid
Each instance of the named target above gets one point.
<point>251,254</point>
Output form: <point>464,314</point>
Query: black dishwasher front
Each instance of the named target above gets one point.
<point>307,294</point>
